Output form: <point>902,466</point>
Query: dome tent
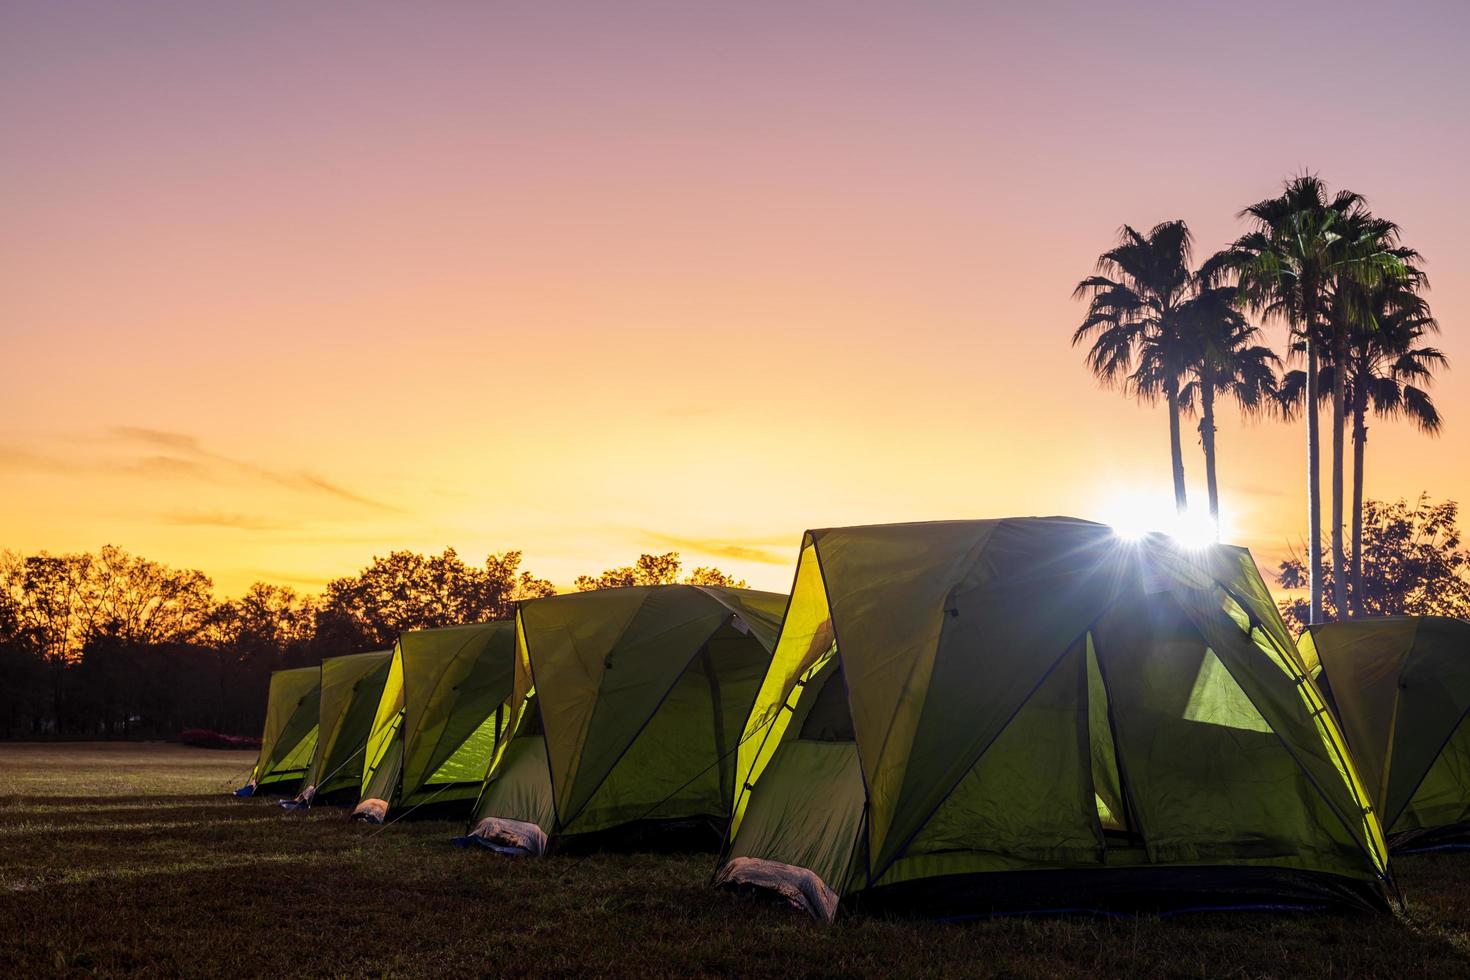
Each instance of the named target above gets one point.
<point>351,687</point>
<point>439,719</point>
<point>289,737</point>
<point>628,705</point>
<point>1035,714</point>
<point>1401,689</point>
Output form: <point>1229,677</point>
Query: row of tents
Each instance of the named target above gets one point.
<point>942,718</point>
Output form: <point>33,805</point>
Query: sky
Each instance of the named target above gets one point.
<point>287,286</point>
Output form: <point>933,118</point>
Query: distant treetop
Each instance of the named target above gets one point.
<point>657,570</point>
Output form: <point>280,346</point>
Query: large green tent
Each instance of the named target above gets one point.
<point>1401,687</point>
<point>289,737</point>
<point>1032,714</point>
<point>440,716</point>
<point>351,688</point>
<point>628,706</point>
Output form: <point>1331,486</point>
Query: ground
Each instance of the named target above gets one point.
<point>131,858</point>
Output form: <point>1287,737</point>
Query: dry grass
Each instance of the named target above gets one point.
<point>130,858</point>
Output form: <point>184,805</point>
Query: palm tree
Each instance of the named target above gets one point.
<point>1134,319</point>
<point>1303,245</point>
<point>1369,256</point>
<point>1225,361</point>
<point>1387,371</point>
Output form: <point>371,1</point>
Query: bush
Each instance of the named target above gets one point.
<point>205,739</point>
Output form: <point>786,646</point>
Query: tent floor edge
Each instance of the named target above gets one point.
<point>288,786</point>
<point>674,835</point>
<point>454,810</point>
<point>1122,892</point>
<point>1447,838</point>
<point>337,797</point>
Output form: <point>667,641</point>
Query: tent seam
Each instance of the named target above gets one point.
<point>1366,846</point>
<point>664,698</point>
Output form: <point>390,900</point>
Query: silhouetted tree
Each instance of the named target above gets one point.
<point>408,591</point>
<point>656,570</point>
<point>1412,564</point>
<point>111,602</point>
<point>703,575</point>
<point>1134,319</point>
<point>22,673</point>
<point>113,644</point>
<point>1388,371</point>
<point>1224,361</point>
<point>1304,245</point>
<point>267,628</point>
<point>647,570</point>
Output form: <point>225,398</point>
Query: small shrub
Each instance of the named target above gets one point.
<point>205,739</point>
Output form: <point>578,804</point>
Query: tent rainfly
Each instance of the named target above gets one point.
<point>1401,687</point>
<point>289,738</point>
<point>1038,714</point>
<point>627,708</point>
<point>351,689</point>
<point>439,719</point>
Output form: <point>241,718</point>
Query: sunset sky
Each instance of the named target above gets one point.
<point>284,286</point>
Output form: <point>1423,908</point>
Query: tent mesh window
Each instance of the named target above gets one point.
<point>1110,794</point>
<point>532,725</point>
<point>829,719</point>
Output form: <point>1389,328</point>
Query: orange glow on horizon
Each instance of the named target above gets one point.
<point>287,289</point>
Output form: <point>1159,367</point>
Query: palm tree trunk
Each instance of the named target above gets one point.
<point>1176,450</point>
<point>1207,440</point>
<point>1339,420</point>
<point>1314,496</point>
<point>1360,445</point>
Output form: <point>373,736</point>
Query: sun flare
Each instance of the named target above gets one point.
<point>1134,515</point>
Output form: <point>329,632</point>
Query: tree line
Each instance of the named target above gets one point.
<point>1351,295</point>
<point>113,644</point>
<point>1412,564</point>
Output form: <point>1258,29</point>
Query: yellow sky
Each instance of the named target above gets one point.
<point>284,290</point>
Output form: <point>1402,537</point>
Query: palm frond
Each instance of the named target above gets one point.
<point>1420,410</point>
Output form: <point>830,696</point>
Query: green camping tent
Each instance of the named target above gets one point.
<point>1032,714</point>
<point>440,716</point>
<point>289,737</point>
<point>350,690</point>
<point>628,706</point>
<point>1401,688</point>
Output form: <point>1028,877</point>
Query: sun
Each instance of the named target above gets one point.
<point>1133,515</point>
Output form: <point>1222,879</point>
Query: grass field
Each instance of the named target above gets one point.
<point>131,858</point>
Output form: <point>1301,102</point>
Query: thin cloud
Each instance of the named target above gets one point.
<point>164,466</point>
<point>189,445</point>
<point>178,455</point>
<point>342,492</point>
<point>750,550</point>
<point>169,440</point>
<point>12,457</point>
<point>238,522</point>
